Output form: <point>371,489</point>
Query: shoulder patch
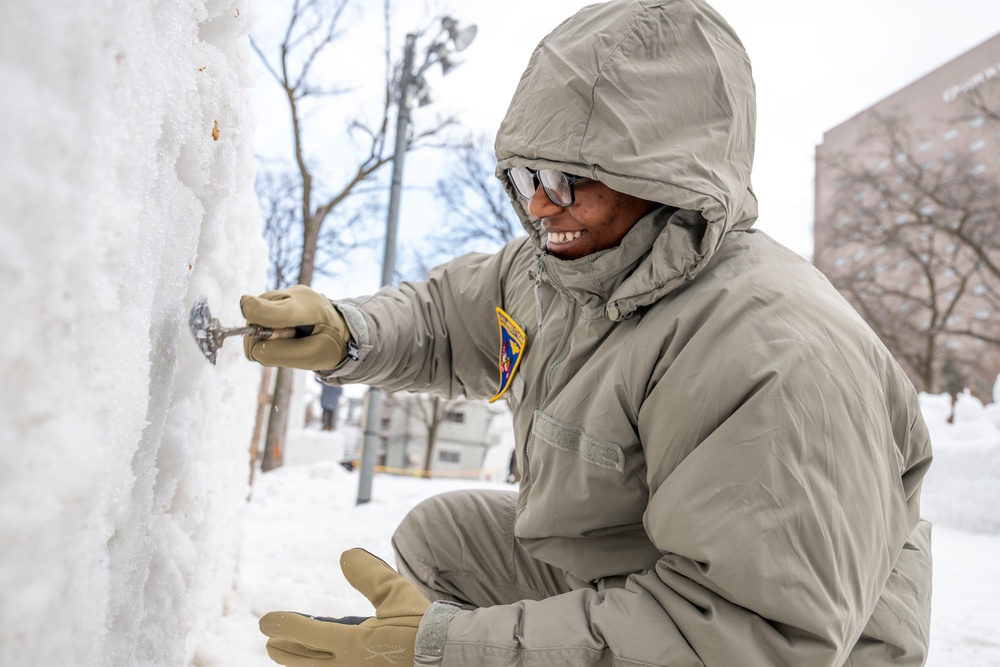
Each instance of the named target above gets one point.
<point>512,342</point>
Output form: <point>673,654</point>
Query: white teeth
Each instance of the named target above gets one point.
<point>564,237</point>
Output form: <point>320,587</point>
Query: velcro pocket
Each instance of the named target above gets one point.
<point>575,440</point>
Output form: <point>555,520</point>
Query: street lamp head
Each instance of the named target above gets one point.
<point>423,93</point>
<point>441,53</point>
<point>460,38</point>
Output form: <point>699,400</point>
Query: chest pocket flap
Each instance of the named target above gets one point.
<point>573,439</point>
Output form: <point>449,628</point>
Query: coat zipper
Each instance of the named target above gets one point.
<point>550,372</point>
<point>565,350</point>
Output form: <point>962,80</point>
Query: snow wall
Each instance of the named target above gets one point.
<point>126,191</point>
<point>962,487</point>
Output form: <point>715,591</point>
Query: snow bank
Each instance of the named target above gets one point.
<point>962,488</point>
<point>126,190</point>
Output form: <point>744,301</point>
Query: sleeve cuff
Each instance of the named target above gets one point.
<point>433,631</point>
<point>357,325</point>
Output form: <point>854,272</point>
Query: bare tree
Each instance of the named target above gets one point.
<point>313,26</point>
<point>278,198</point>
<point>478,212</point>
<point>918,245</point>
<point>431,410</point>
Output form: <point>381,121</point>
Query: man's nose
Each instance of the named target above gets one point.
<point>540,206</point>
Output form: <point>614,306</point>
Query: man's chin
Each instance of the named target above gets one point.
<point>568,251</point>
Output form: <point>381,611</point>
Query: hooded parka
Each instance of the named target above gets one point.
<point>713,446</point>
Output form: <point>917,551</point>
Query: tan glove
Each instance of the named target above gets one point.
<point>293,307</point>
<point>297,640</point>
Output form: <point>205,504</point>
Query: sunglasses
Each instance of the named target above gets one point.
<point>558,185</point>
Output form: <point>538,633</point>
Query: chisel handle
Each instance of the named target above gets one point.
<point>265,333</point>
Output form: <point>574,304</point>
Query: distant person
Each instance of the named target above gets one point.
<point>720,463</point>
<point>329,401</point>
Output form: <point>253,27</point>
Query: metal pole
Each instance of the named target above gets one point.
<point>374,412</point>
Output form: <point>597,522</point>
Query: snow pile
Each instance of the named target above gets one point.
<point>126,190</point>
<point>962,488</point>
<point>299,521</point>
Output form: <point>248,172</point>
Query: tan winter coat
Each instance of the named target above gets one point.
<point>712,443</point>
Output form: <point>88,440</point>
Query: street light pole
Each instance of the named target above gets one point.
<point>436,53</point>
<point>373,414</point>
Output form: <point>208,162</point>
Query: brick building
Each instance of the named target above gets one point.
<point>907,220</point>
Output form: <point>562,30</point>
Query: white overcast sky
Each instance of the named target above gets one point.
<point>816,64</point>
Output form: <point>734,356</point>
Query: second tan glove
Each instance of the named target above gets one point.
<point>292,307</point>
<point>388,638</point>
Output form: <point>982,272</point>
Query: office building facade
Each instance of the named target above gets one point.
<point>907,221</point>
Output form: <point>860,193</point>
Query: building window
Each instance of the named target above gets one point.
<point>977,146</point>
<point>445,456</point>
<point>979,289</point>
<point>982,314</point>
<point>950,134</point>
<point>977,122</point>
<point>457,417</point>
<point>949,156</point>
<point>925,146</point>
<point>841,262</point>
<point>953,320</point>
<point>977,169</point>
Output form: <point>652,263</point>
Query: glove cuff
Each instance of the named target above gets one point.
<point>433,631</point>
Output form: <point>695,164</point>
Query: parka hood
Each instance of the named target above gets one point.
<point>654,99</point>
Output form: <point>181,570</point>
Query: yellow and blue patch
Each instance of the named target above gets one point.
<point>512,341</point>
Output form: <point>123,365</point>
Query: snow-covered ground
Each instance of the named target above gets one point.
<point>301,517</point>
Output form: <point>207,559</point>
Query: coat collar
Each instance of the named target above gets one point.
<point>596,280</point>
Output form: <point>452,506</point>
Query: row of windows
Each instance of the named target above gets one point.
<point>952,321</point>
<point>927,165</point>
<point>952,133</point>
<point>446,456</point>
<point>954,344</point>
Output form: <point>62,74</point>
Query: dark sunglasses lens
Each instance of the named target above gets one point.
<point>523,180</point>
<point>556,186</point>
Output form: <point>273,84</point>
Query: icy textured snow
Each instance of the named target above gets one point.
<point>124,452</point>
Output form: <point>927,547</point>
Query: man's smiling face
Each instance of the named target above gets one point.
<point>598,219</point>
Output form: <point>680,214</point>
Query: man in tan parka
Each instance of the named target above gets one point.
<point>720,462</point>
